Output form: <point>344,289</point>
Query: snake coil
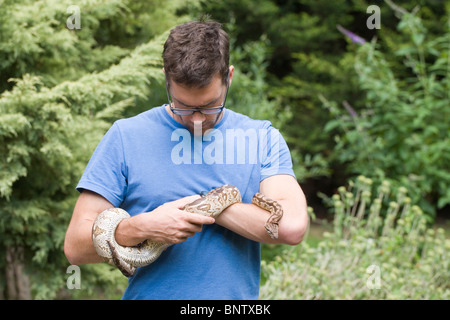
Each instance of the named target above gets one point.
<point>128,259</point>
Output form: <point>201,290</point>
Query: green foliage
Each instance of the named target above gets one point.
<point>307,57</point>
<point>61,89</point>
<point>401,130</point>
<point>366,256</point>
<point>34,39</point>
<point>66,91</point>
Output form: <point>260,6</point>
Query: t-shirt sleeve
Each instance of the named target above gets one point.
<point>275,155</point>
<point>106,173</point>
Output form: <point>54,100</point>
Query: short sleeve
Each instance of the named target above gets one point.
<point>106,171</point>
<point>275,155</point>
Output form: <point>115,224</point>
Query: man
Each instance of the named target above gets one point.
<point>152,164</point>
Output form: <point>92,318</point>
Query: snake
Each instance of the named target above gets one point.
<point>128,259</point>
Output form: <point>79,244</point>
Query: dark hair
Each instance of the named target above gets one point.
<point>196,52</point>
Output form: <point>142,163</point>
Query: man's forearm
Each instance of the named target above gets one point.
<point>248,220</point>
<point>128,233</point>
<point>79,247</point>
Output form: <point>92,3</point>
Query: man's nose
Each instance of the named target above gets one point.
<point>198,117</point>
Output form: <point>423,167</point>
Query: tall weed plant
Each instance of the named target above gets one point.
<point>380,248</point>
<point>402,131</point>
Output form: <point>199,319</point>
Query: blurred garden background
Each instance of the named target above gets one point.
<point>365,109</point>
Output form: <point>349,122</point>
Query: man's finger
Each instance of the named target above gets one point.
<point>199,219</point>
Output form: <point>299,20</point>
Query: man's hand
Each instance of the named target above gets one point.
<point>168,224</point>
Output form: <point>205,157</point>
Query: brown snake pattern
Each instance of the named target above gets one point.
<point>128,259</point>
<point>276,213</point>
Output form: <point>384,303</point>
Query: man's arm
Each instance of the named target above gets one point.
<point>167,223</point>
<point>248,220</point>
<point>78,245</point>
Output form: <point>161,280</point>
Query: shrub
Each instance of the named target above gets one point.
<point>366,256</point>
<point>400,132</point>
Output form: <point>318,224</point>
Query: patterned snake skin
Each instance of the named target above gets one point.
<point>128,259</point>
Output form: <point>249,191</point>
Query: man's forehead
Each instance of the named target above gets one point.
<point>205,104</point>
<point>190,96</point>
<point>207,84</point>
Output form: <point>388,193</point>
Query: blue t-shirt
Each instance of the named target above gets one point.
<point>150,159</point>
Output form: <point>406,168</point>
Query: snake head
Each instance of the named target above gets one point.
<point>215,201</point>
<point>272,230</point>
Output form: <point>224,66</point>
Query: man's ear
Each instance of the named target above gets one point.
<point>164,70</point>
<point>230,74</point>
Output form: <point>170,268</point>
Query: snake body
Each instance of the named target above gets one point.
<point>128,259</point>
<point>276,213</point>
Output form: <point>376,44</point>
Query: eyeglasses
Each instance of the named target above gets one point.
<point>190,111</point>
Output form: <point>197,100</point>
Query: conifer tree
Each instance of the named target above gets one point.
<point>61,91</point>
